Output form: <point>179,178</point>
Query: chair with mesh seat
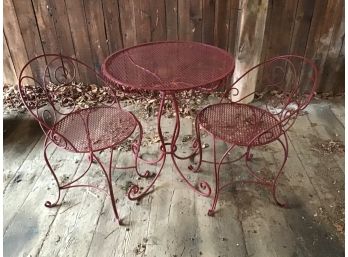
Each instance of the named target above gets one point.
<point>290,82</point>
<point>79,118</point>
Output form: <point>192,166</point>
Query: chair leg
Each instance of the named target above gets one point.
<point>211,211</point>
<point>249,156</point>
<point>274,184</point>
<point>197,145</point>
<point>49,204</point>
<point>109,182</point>
<point>113,200</point>
<point>217,167</point>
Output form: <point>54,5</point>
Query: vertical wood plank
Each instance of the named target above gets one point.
<point>250,43</point>
<point>281,27</point>
<point>30,34</point>
<point>190,20</point>
<point>264,52</point>
<point>328,35</point>
<point>208,21</point>
<point>172,19</point>
<point>45,23</point>
<point>96,31</point>
<point>233,26</point>
<point>222,16</point>
<point>339,80</point>
<point>14,38</point>
<point>184,25</point>
<point>80,37</point>
<point>113,25</point>
<point>333,76</point>
<point>62,27</point>
<point>158,20</point>
<point>127,22</point>
<point>10,76</point>
<point>314,32</point>
<point>302,25</point>
<point>142,11</point>
<point>315,48</point>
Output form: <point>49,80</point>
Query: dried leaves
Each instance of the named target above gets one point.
<point>65,95</point>
<point>189,102</point>
<point>12,100</point>
<point>329,147</point>
<point>83,96</point>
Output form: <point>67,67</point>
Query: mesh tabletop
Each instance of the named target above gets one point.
<point>107,127</point>
<point>168,66</point>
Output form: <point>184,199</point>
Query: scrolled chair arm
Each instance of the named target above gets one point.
<point>235,91</point>
<point>282,69</point>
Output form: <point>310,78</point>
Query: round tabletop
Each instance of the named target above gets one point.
<point>168,66</point>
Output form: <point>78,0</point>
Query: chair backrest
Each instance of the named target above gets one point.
<point>288,83</point>
<point>53,91</point>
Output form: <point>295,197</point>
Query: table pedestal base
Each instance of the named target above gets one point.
<point>202,188</point>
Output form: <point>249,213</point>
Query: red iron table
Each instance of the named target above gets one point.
<point>168,68</point>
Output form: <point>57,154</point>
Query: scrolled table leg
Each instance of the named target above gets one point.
<point>203,188</point>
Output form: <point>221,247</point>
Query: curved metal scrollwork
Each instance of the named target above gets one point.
<point>53,96</point>
<point>284,82</point>
<point>54,92</point>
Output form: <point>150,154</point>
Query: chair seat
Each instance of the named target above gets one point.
<point>107,127</point>
<point>238,124</point>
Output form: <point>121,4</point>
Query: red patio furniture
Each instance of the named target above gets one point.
<point>168,68</point>
<point>291,82</point>
<point>88,129</point>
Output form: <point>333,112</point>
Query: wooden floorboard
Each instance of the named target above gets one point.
<point>28,229</point>
<point>19,188</point>
<point>73,227</point>
<point>173,220</point>
<point>223,234</point>
<point>20,137</point>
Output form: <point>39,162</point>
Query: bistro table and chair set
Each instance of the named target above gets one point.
<point>168,69</point>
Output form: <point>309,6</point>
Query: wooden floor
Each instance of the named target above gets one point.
<point>173,221</point>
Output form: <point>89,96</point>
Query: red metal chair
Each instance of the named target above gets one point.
<point>291,82</point>
<point>85,129</point>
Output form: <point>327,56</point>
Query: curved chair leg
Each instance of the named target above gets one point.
<point>211,211</point>
<point>249,156</point>
<point>217,167</point>
<point>113,200</point>
<point>197,145</point>
<point>109,182</point>
<point>49,204</point>
<point>274,184</point>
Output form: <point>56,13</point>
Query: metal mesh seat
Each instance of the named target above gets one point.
<point>107,126</point>
<point>239,124</point>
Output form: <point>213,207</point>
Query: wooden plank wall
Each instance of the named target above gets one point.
<point>92,29</point>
